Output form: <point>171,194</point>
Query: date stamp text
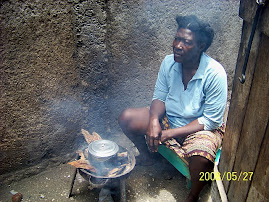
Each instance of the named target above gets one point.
<point>229,176</point>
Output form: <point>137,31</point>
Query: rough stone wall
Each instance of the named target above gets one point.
<point>40,97</point>
<point>140,34</point>
<point>91,59</point>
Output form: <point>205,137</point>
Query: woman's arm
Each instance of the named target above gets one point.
<point>182,132</point>
<point>153,136</point>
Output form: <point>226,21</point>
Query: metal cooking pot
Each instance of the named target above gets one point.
<point>102,150</point>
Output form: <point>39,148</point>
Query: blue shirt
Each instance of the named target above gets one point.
<point>204,98</point>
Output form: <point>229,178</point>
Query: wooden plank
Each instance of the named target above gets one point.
<point>260,183</point>
<point>247,11</point>
<point>217,189</point>
<point>254,126</point>
<point>175,160</point>
<point>240,95</point>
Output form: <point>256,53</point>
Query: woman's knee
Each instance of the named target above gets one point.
<point>125,118</point>
<point>134,119</point>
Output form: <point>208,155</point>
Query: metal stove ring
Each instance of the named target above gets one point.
<point>125,172</point>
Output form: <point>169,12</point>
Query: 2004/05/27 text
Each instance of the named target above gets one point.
<point>229,176</point>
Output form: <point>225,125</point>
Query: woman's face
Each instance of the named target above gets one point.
<point>185,47</point>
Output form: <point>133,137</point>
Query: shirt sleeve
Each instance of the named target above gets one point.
<point>215,102</point>
<point>161,86</point>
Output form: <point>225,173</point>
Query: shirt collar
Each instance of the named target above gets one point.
<point>201,69</point>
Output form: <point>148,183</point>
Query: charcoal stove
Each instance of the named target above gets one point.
<point>113,171</point>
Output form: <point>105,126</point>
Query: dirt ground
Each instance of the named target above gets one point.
<point>159,182</point>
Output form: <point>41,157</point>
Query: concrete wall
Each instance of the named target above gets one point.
<point>40,95</point>
<point>90,22</point>
<point>67,65</point>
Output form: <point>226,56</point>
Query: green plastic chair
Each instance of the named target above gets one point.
<point>181,164</point>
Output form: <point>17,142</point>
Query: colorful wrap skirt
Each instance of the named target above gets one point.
<point>202,143</point>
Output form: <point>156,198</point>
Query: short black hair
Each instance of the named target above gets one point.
<point>203,31</point>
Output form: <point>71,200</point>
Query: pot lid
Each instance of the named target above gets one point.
<point>103,148</point>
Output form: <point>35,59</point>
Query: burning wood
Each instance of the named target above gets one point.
<point>122,155</point>
<point>96,136</point>
<point>125,162</point>
<point>116,171</point>
<point>90,137</point>
<point>82,163</point>
<point>121,164</point>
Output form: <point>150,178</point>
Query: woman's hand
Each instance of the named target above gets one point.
<point>166,135</point>
<point>181,132</point>
<point>153,135</point>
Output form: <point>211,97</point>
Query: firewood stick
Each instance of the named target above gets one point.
<point>96,135</point>
<point>123,154</point>
<point>115,171</point>
<point>90,137</point>
<point>87,136</point>
<point>85,164</point>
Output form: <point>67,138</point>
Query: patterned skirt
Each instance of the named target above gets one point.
<point>202,143</point>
